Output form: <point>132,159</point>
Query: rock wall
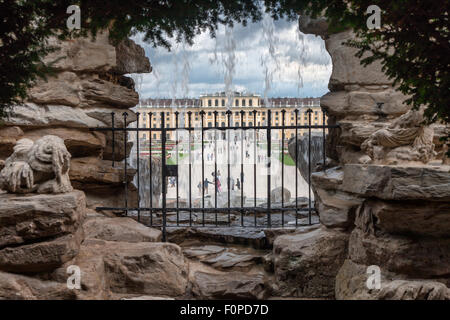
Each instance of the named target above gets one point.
<point>88,85</point>
<point>391,203</point>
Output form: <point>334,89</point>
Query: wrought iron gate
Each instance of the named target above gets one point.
<point>243,215</point>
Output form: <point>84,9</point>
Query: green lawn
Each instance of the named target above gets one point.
<point>287,159</point>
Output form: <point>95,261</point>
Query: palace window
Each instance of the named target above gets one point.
<point>250,102</point>
<point>216,103</point>
<point>243,102</point>
<point>209,113</point>
<point>209,124</point>
<point>209,103</point>
<point>236,102</point>
<point>223,102</point>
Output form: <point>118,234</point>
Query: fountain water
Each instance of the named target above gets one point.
<point>229,63</point>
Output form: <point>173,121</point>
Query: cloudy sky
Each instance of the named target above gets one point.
<point>270,58</point>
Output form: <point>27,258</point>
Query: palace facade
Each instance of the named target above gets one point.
<point>245,102</point>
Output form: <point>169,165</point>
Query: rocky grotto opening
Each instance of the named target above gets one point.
<point>225,195</point>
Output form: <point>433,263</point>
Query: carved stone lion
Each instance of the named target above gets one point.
<point>41,166</point>
<point>407,138</point>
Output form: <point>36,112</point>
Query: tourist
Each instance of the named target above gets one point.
<point>231,183</point>
<point>205,185</point>
<point>219,186</point>
<point>238,184</point>
<point>199,186</point>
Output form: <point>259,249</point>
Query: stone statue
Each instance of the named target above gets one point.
<point>41,166</point>
<point>406,138</point>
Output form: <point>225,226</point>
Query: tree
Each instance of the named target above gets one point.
<point>27,25</point>
<point>412,45</point>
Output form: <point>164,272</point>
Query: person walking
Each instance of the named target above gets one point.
<point>205,185</point>
<point>219,185</point>
<point>199,186</point>
<point>238,184</point>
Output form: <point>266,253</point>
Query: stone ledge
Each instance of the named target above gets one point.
<point>18,287</point>
<point>414,257</point>
<point>41,256</point>
<point>26,218</point>
<point>351,285</point>
<point>410,218</point>
<point>306,264</point>
<point>398,183</point>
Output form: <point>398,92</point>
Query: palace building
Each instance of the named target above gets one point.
<point>245,102</point>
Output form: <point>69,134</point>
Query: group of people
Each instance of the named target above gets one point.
<point>216,180</point>
<point>172,182</point>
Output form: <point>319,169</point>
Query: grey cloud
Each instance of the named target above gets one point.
<point>207,77</point>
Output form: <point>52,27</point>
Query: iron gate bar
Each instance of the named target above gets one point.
<point>309,111</point>
<point>229,167</point>
<point>176,150</point>
<point>150,165</point>
<point>242,168</point>
<point>296,161</point>
<point>242,129</point>
<point>202,113</point>
<point>219,128</point>
<point>137,169</point>
<point>163,165</point>
<point>324,139</point>
<point>125,141</point>
<point>190,169</point>
<point>269,153</point>
<point>113,139</point>
<point>282,167</point>
<point>235,209</point>
<point>254,161</point>
<point>216,181</point>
